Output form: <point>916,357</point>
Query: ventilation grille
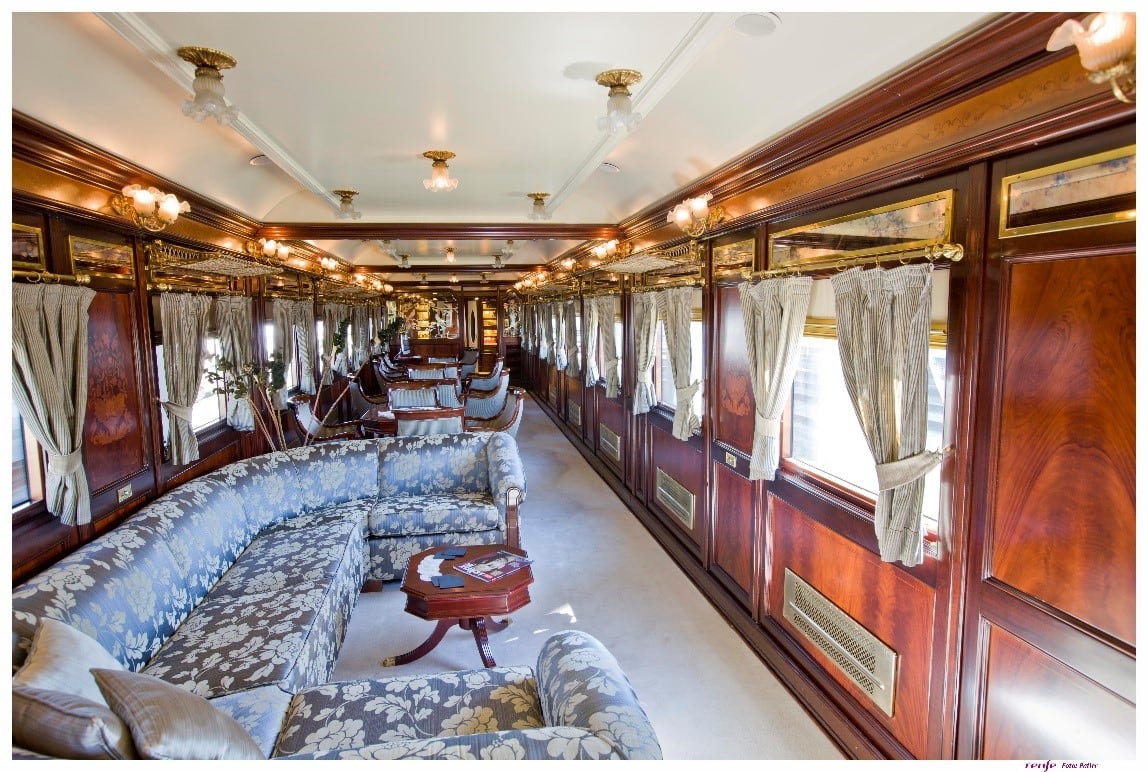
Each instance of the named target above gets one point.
<point>574,412</point>
<point>553,394</point>
<point>860,656</point>
<point>610,443</point>
<point>675,497</point>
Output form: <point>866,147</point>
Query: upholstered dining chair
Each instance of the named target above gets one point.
<point>361,402</point>
<point>486,381</point>
<point>413,394</point>
<point>312,429</point>
<point>467,363</point>
<point>489,402</point>
<point>507,421</point>
<point>416,421</point>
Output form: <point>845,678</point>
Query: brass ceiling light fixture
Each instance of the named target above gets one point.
<point>440,179</point>
<point>694,216</point>
<point>1106,43</point>
<point>347,209</point>
<point>620,113</point>
<point>538,209</point>
<point>149,208</point>
<point>208,84</point>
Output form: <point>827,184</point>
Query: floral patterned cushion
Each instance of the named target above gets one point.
<point>260,711</point>
<point>124,589</point>
<point>350,714</point>
<point>268,486</point>
<point>432,464</point>
<point>581,684</point>
<point>336,472</point>
<point>407,515</point>
<point>550,742</point>
<point>389,556</point>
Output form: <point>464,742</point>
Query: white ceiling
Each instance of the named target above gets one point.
<point>352,100</point>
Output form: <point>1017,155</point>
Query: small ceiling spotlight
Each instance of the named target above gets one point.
<point>538,209</point>
<point>208,84</point>
<point>149,208</point>
<point>694,215</point>
<point>619,111</point>
<point>440,179</point>
<point>450,254</point>
<point>347,209</point>
<point>1106,43</point>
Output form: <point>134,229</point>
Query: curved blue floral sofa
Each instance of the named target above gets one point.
<point>238,586</point>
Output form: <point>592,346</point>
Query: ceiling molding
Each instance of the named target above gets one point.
<point>438,230</point>
<point>962,68</point>
<point>156,50</point>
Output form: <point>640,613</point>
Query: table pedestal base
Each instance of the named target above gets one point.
<point>477,625</point>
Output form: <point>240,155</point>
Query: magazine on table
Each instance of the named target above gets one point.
<point>492,567</point>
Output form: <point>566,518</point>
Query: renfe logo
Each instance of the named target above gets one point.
<point>1047,765</point>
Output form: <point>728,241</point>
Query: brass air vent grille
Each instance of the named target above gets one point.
<point>574,412</point>
<point>675,497</point>
<point>867,662</point>
<point>611,443</point>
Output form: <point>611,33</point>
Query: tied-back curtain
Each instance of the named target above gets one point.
<point>773,312</point>
<point>360,336</point>
<point>295,323</point>
<point>645,306</point>
<point>233,318</point>
<point>183,324</point>
<point>590,325</point>
<point>573,367</point>
<point>50,387</point>
<point>883,339</point>
<point>558,317</point>
<point>609,344</point>
<point>545,341</point>
<point>675,306</point>
<point>528,328</point>
<point>334,314</point>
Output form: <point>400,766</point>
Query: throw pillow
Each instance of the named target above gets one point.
<point>61,659</point>
<point>67,726</point>
<point>168,722</point>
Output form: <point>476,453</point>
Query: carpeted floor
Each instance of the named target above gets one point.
<point>597,569</point>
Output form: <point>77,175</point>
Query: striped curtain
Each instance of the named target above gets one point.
<point>645,305</point>
<point>295,324</point>
<point>675,306</point>
<point>773,312</point>
<point>50,387</point>
<point>183,324</point>
<point>233,318</point>
<point>883,339</point>
<point>590,325</point>
<point>610,361</point>
<point>573,366</point>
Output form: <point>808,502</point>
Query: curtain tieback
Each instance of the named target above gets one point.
<point>182,412</point>
<point>646,377</point>
<point>686,393</point>
<point>903,471</point>
<point>65,464</point>
<point>766,427</point>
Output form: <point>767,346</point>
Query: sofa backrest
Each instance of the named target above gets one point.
<point>433,464</point>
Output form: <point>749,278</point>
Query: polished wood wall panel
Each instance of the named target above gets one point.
<point>733,532</point>
<point>732,391</point>
<point>1064,521</point>
<point>611,415</point>
<point>685,463</point>
<point>1036,707</point>
<point>115,444</point>
<point>881,597</point>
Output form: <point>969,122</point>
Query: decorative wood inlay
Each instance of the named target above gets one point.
<point>1038,708</point>
<point>881,597</point>
<point>733,529</point>
<point>1064,522</point>
<point>113,437</point>
<point>733,423</point>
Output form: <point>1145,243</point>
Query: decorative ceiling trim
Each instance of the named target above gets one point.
<point>367,231</point>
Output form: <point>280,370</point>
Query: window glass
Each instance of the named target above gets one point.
<point>209,408</point>
<point>663,372</point>
<point>824,432</point>
<point>27,471</point>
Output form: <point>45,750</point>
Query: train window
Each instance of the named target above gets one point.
<point>209,408</point>
<point>663,373</point>
<point>825,437</point>
<point>290,374</point>
<point>27,466</point>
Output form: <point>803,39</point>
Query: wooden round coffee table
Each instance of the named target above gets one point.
<point>470,606</point>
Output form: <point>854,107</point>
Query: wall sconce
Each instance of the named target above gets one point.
<point>268,248</point>
<point>538,209</point>
<point>347,205</point>
<point>329,263</point>
<point>1106,43</point>
<point>440,179</point>
<point>450,254</point>
<point>388,288</point>
<point>208,84</point>
<point>149,208</point>
<point>404,261</point>
<point>619,111</point>
<point>694,215</point>
<point>453,279</point>
<point>608,249</point>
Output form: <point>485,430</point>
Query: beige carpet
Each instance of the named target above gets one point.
<point>597,569</point>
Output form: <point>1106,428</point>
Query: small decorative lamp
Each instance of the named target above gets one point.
<point>1106,43</point>
<point>149,208</point>
<point>440,179</point>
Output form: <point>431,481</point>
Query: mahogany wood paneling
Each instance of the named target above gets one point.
<point>1064,522</point>
<point>1036,707</point>
<point>732,390</point>
<point>733,532</point>
<point>115,443</point>
<point>884,599</point>
<point>613,417</point>
<point>685,463</point>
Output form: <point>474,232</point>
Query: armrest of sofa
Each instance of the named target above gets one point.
<point>582,686</point>
<point>550,742</point>
<point>507,480</point>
